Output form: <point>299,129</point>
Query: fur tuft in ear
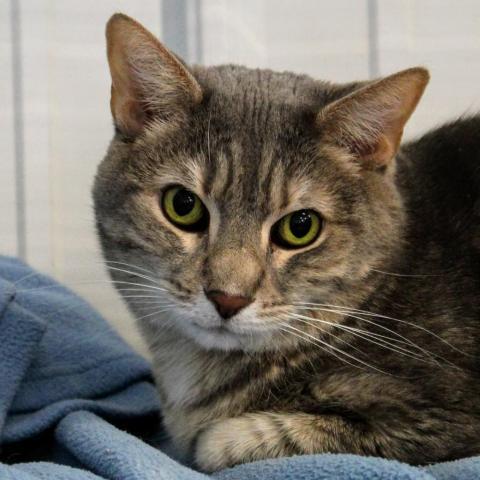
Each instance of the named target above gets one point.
<point>147,79</point>
<point>369,122</point>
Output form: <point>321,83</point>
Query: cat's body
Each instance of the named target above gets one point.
<point>431,412</point>
<point>365,340</point>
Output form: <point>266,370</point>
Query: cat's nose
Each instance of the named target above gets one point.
<point>227,305</point>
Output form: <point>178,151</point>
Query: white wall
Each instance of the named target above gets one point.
<point>55,116</point>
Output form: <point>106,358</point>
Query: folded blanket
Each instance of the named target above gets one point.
<point>76,403</point>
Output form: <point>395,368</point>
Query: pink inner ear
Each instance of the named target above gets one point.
<point>380,152</point>
<point>135,115</point>
<point>384,151</point>
<point>127,112</point>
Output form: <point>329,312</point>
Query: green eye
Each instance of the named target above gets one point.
<point>297,229</point>
<point>184,209</point>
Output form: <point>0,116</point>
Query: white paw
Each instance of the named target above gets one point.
<point>222,445</point>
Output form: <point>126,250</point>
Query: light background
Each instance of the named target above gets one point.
<point>54,94</point>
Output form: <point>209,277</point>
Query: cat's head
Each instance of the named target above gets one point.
<point>232,200</point>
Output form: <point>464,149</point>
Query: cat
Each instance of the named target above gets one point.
<point>304,283</point>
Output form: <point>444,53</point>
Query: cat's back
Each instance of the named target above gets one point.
<point>439,283</point>
<point>439,175</point>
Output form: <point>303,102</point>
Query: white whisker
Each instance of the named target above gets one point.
<point>140,275</point>
<point>340,351</point>
<point>150,306</point>
<point>130,265</point>
<point>147,290</point>
<point>150,287</point>
<point>208,135</point>
<point>431,355</point>
<point>141,301</point>
<point>366,336</point>
<point>315,342</point>
<point>348,313</point>
<point>301,318</point>
<point>153,313</point>
<point>141,296</point>
<point>406,274</point>
<point>371,314</point>
<point>92,282</point>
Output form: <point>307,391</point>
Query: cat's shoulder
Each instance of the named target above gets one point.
<point>454,144</point>
<point>439,177</point>
<point>447,157</point>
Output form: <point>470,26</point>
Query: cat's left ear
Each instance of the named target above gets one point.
<point>147,79</point>
<point>369,122</point>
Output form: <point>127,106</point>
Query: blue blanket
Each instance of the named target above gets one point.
<point>77,404</point>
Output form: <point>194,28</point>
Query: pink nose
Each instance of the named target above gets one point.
<point>227,305</point>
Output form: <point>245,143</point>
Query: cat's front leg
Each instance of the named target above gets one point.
<point>418,439</point>
<point>257,436</point>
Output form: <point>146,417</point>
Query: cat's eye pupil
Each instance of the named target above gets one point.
<point>183,202</point>
<point>297,229</point>
<point>184,209</point>
<point>300,223</point>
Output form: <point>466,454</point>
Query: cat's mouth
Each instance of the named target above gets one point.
<point>214,329</point>
<point>228,335</point>
<point>219,336</point>
<point>219,329</point>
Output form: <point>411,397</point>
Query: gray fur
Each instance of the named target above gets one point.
<point>267,392</point>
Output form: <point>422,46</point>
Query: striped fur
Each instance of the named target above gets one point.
<point>395,378</point>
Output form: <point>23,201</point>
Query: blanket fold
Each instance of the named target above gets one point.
<point>76,403</point>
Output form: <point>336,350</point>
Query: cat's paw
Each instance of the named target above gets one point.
<point>242,439</point>
<point>224,444</point>
<point>211,448</point>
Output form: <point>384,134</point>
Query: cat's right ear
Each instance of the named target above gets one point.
<point>148,81</point>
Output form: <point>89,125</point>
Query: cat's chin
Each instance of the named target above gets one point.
<point>220,338</point>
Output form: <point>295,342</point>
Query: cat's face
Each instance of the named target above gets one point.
<point>238,198</point>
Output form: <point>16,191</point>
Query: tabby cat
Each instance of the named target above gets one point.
<point>305,284</point>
